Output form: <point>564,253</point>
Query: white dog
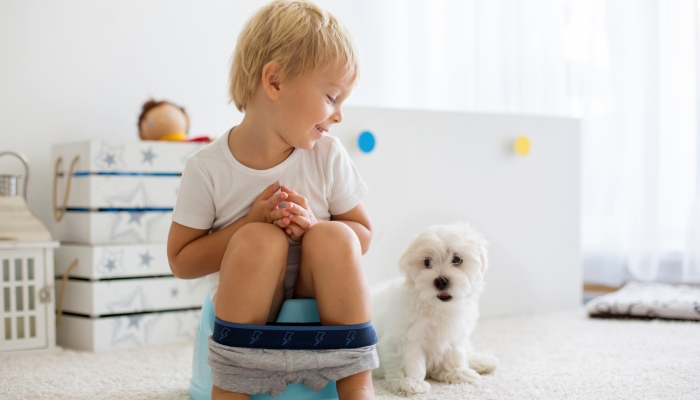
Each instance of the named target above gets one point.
<point>424,320</point>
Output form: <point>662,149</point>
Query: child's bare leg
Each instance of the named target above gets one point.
<point>277,299</point>
<point>221,394</point>
<point>251,280</point>
<point>251,271</point>
<point>358,386</point>
<point>331,270</point>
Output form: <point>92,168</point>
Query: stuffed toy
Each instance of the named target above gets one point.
<point>163,120</point>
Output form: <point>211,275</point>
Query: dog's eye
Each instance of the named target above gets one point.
<point>456,260</point>
<point>427,262</point>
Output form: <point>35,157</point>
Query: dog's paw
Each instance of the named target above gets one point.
<point>460,375</point>
<point>483,363</point>
<point>410,386</point>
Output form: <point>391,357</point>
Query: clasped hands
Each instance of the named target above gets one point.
<point>295,218</point>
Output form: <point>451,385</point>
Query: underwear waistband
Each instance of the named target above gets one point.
<point>294,336</point>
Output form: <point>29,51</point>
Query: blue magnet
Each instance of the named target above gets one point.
<point>366,141</point>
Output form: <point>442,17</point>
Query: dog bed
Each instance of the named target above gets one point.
<point>648,300</point>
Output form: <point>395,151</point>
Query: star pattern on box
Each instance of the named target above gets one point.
<point>111,262</point>
<point>133,330</point>
<point>135,216</point>
<point>110,157</point>
<point>136,198</point>
<point>132,302</point>
<point>134,227</point>
<point>187,323</point>
<point>146,258</point>
<point>134,320</point>
<point>148,156</point>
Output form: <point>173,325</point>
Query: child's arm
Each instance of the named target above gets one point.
<point>194,253</point>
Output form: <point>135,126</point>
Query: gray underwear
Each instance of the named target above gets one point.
<point>251,371</point>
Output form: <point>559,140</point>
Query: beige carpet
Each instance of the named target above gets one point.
<point>561,355</point>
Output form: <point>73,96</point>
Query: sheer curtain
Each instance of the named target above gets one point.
<point>627,68</point>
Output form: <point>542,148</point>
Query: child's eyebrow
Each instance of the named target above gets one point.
<point>344,91</point>
<point>338,85</point>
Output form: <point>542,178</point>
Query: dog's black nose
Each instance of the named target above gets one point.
<point>441,282</point>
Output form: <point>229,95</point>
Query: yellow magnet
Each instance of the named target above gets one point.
<point>522,145</point>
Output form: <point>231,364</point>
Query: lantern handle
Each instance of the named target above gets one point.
<point>24,160</point>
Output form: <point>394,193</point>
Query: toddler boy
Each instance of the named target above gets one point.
<point>258,241</point>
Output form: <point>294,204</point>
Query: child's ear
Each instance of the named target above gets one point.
<point>271,77</point>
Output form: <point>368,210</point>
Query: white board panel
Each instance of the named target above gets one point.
<point>123,296</point>
<point>105,227</point>
<point>139,156</point>
<point>97,262</point>
<point>123,191</point>
<point>127,331</point>
<point>433,167</point>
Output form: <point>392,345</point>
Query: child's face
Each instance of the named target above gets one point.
<point>311,105</point>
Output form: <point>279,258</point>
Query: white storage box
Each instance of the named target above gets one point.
<point>114,227</point>
<point>112,261</point>
<point>140,157</point>
<point>123,191</point>
<point>125,296</point>
<point>128,331</point>
<point>117,192</point>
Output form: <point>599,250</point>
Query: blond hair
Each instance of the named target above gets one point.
<point>298,35</point>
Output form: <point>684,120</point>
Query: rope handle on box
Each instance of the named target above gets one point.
<point>59,212</point>
<point>61,291</point>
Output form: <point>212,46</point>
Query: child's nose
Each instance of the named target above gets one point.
<point>337,116</point>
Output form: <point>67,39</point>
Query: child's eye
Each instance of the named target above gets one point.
<point>332,100</point>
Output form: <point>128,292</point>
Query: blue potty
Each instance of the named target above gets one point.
<point>297,310</point>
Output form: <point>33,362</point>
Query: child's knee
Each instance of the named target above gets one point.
<point>334,236</point>
<point>256,249</point>
<point>259,239</point>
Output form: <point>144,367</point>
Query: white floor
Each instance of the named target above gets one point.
<point>551,356</point>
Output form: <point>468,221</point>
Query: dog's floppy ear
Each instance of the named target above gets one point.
<point>482,248</point>
<point>411,261</point>
<point>404,265</point>
<point>406,259</point>
<point>483,255</point>
<point>469,233</point>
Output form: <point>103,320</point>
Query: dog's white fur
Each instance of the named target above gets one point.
<point>420,335</point>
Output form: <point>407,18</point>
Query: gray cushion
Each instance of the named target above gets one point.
<point>648,300</point>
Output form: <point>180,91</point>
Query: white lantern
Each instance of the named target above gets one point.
<point>27,318</point>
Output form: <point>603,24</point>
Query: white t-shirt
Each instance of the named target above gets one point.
<point>217,190</point>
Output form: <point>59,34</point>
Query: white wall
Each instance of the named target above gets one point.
<point>434,167</point>
<point>76,70</point>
